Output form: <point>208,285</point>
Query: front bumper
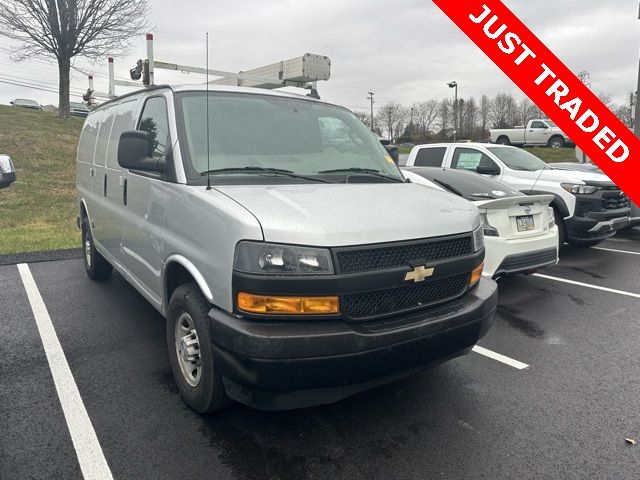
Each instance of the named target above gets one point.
<point>277,364</point>
<point>507,256</point>
<point>597,225</point>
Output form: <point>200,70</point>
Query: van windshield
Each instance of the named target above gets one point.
<point>301,136</point>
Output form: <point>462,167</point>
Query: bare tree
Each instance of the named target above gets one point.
<point>426,114</point>
<point>503,112</point>
<point>445,114</point>
<point>626,112</point>
<point>485,107</point>
<point>393,116</point>
<point>65,29</point>
<point>364,117</point>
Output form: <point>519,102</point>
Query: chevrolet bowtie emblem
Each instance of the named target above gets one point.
<point>418,274</point>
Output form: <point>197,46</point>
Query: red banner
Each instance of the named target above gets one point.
<point>551,86</point>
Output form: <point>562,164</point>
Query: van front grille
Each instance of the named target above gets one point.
<point>378,257</point>
<point>414,296</point>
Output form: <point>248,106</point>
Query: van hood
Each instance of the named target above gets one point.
<point>335,215</point>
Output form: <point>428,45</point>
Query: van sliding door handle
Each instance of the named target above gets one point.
<point>92,172</point>
<point>104,185</point>
<point>124,192</point>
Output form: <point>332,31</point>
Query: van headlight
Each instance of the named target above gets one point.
<point>276,259</point>
<point>478,239</point>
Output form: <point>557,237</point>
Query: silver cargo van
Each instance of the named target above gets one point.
<point>301,269</point>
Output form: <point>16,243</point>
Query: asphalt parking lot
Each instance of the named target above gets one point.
<point>566,415</point>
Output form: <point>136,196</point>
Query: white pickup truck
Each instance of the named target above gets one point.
<point>537,132</point>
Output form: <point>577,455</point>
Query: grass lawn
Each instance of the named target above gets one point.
<point>37,212</point>
<point>553,155</point>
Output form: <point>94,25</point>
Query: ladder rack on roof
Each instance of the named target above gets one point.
<point>302,72</point>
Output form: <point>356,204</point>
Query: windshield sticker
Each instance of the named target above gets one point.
<point>469,161</point>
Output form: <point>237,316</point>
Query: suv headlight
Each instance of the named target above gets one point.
<point>478,239</point>
<point>579,188</point>
<point>275,259</point>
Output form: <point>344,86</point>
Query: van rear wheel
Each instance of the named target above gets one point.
<point>96,265</point>
<point>191,351</point>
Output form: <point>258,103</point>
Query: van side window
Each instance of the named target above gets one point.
<point>470,159</point>
<point>103,136</point>
<point>430,157</point>
<point>87,144</point>
<point>123,121</point>
<point>155,121</point>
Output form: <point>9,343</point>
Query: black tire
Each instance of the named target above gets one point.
<point>208,394</point>
<point>503,141</point>
<point>585,243</point>
<point>556,142</point>
<point>95,265</point>
<point>562,228</point>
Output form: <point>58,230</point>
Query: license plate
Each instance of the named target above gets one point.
<point>525,223</point>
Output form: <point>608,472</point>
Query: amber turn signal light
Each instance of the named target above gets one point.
<point>272,305</point>
<point>476,275</point>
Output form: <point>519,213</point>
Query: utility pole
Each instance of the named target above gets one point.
<point>636,122</point>
<point>370,97</point>
<point>454,84</point>
<point>583,78</point>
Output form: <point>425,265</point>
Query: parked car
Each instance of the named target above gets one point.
<point>591,167</point>
<point>520,231</point>
<point>78,109</point>
<point>267,253</point>
<point>7,171</point>
<point>536,132</point>
<point>589,207</point>
<point>26,103</point>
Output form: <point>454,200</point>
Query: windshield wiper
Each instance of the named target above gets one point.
<point>365,171</point>
<point>274,171</point>
<point>446,186</point>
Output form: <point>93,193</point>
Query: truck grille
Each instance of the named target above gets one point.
<point>377,258</point>
<point>417,295</point>
<point>613,202</point>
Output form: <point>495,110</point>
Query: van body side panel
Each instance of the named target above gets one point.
<point>204,227</point>
<point>85,167</point>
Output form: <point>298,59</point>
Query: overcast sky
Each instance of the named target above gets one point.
<point>405,50</point>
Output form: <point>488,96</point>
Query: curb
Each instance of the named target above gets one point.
<point>35,257</point>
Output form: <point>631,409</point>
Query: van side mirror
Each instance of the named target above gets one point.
<point>492,169</point>
<point>393,153</point>
<point>7,171</point>
<point>11,102</point>
<point>135,153</point>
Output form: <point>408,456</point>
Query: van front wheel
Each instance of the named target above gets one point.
<point>191,351</point>
<point>95,264</point>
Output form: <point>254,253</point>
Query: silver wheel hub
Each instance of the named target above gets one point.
<point>188,349</point>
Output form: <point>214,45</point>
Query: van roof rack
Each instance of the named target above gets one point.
<point>302,72</point>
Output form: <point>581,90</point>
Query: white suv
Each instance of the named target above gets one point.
<point>589,207</point>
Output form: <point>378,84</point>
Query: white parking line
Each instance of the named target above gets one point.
<point>615,250</point>
<point>90,456</point>
<point>500,358</point>
<point>588,285</point>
